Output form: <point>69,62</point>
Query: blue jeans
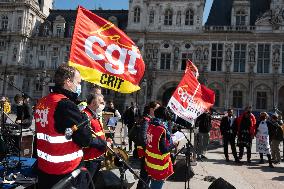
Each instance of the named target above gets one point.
<point>156,184</point>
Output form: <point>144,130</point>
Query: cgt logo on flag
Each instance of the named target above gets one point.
<point>104,54</point>
<point>191,99</point>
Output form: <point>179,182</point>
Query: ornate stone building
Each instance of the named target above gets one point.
<point>239,51</point>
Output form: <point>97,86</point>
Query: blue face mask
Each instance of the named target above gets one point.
<point>78,89</point>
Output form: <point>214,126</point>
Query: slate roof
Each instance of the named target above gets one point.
<point>220,13</point>
<point>70,17</point>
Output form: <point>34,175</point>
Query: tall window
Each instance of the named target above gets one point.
<point>41,64</point>
<point>240,18</point>
<point>189,17</point>
<point>263,58</point>
<point>217,98</point>
<point>168,17</point>
<point>54,62</point>
<point>151,17</point>
<point>2,45</point>
<point>240,57</point>
<point>165,61</point>
<point>137,15</point>
<point>184,58</point>
<point>237,99</point>
<point>19,23</point>
<point>217,57</point>
<point>1,59</point>
<point>261,100</point>
<point>4,22</point>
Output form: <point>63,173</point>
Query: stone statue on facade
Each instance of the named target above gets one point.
<point>252,55</point>
<point>276,55</point>
<point>229,54</point>
<point>206,54</point>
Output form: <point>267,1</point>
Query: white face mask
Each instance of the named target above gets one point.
<point>100,108</point>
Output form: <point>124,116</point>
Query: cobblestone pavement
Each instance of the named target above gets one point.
<point>242,176</point>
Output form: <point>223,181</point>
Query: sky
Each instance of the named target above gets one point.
<point>108,4</point>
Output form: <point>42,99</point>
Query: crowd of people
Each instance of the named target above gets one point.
<point>268,132</point>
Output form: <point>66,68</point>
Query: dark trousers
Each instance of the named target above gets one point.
<point>268,156</point>
<point>143,175</point>
<point>229,140</point>
<point>93,167</point>
<point>47,181</point>
<point>241,153</point>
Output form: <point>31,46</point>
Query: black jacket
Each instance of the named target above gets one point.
<point>204,123</point>
<point>68,114</point>
<point>226,129</point>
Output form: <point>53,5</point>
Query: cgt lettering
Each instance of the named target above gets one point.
<point>111,81</point>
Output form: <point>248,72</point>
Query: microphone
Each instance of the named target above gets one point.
<point>66,181</point>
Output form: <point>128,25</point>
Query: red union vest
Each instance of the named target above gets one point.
<point>97,129</point>
<point>159,166</point>
<point>56,154</point>
<point>140,150</point>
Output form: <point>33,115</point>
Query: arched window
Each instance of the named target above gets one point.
<point>217,98</point>
<point>189,17</point>
<point>168,17</point>
<point>137,15</point>
<point>240,18</point>
<point>151,17</point>
<point>4,22</point>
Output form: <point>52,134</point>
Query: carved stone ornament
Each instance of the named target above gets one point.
<point>252,55</point>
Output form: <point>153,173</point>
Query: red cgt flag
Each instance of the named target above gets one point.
<point>191,99</point>
<point>104,55</point>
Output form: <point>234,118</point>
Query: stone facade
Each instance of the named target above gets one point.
<point>239,51</point>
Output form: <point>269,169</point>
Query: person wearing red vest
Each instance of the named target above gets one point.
<point>158,162</point>
<point>92,155</point>
<point>148,114</point>
<point>56,113</point>
<point>246,124</point>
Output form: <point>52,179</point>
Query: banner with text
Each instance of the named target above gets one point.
<point>105,55</point>
<point>191,99</point>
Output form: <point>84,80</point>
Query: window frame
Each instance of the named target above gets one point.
<point>168,17</point>
<point>137,15</point>
<point>239,60</point>
<point>165,61</point>
<point>189,18</point>
<point>238,98</point>
<point>218,59</point>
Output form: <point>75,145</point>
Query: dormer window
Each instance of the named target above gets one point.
<point>168,21</point>
<point>45,30</point>
<point>137,15</point>
<point>58,31</point>
<point>240,18</point>
<point>189,17</point>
